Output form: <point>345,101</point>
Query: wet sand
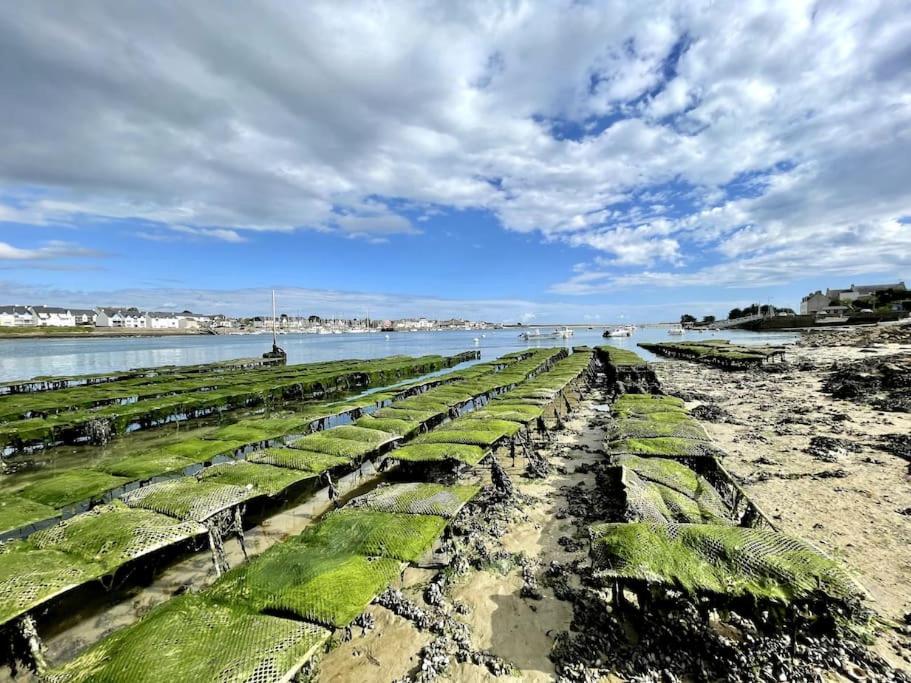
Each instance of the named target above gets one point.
<point>852,507</point>
<point>500,621</point>
<point>856,517</point>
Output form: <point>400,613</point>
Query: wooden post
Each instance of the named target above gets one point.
<point>239,530</point>
<point>35,647</point>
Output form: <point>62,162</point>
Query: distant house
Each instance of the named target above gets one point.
<point>161,321</point>
<point>833,312</point>
<point>846,296</point>
<point>187,320</point>
<point>16,316</point>
<point>223,322</point>
<point>52,316</point>
<point>84,316</point>
<point>130,318</point>
<point>814,302</point>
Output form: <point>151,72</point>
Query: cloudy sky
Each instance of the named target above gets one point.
<point>507,160</point>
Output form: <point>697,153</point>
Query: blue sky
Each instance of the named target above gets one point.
<point>561,161</point>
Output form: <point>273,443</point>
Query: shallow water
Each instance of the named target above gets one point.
<point>25,358</point>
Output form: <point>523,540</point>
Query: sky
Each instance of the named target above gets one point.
<point>509,161</point>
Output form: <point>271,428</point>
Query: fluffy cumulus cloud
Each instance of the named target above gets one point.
<point>696,142</point>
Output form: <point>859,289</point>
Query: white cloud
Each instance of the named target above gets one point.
<point>222,234</point>
<point>50,251</point>
<point>805,105</point>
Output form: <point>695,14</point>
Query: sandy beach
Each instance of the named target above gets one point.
<point>518,610</point>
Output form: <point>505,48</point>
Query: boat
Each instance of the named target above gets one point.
<point>675,330</point>
<point>564,333</point>
<point>277,353</point>
<point>622,331</point>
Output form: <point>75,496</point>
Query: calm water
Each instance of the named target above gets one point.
<point>24,358</point>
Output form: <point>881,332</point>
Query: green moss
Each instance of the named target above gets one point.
<point>189,499</point>
<point>191,639</point>
<point>59,489</point>
<point>621,357</point>
<point>264,478</point>
<point>489,423</point>
<point>725,560</point>
<point>470,455</point>
<point>664,471</point>
<point>715,352</point>
<point>373,437</point>
<point>17,512</point>
<point>299,459</point>
<point>146,465</point>
<point>200,450</point>
<point>322,442</point>
<point>243,432</point>
<point>418,499</point>
<point>382,534</point>
<point>308,582</point>
<point>404,428</point>
<point>637,404</point>
<point>516,411</point>
<point>650,500</point>
<point>475,437</point>
<point>671,447</point>
<point>397,413</point>
<point>258,429</point>
<point>143,402</point>
<point>114,534</point>
<point>646,427</point>
<point>30,576</point>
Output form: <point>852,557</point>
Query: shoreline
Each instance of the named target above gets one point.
<point>99,333</point>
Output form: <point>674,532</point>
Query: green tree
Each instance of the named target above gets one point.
<point>687,318</point>
<point>735,313</point>
<point>708,319</point>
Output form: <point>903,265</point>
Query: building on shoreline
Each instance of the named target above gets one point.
<point>814,302</point>
<point>132,318</point>
<point>129,318</point>
<point>852,296</point>
<point>16,316</point>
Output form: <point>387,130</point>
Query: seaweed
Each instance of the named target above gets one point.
<point>722,560</point>
<point>16,512</point>
<point>264,478</point>
<point>427,452</point>
<point>30,576</point>
<point>58,489</point>
<point>381,534</point>
<point>188,499</point>
<point>114,534</point>
<point>298,459</point>
<point>190,638</point>
<point>621,357</point>
<point>310,583</point>
<point>418,499</point>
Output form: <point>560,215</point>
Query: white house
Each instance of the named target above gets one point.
<point>51,316</point>
<point>161,321</point>
<point>846,296</point>
<point>120,317</point>
<point>84,316</point>
<point>16,316</point>
<point>814,302</point>
<point>193,321</point>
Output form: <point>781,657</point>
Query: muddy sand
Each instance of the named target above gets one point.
<point>841,491</point>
